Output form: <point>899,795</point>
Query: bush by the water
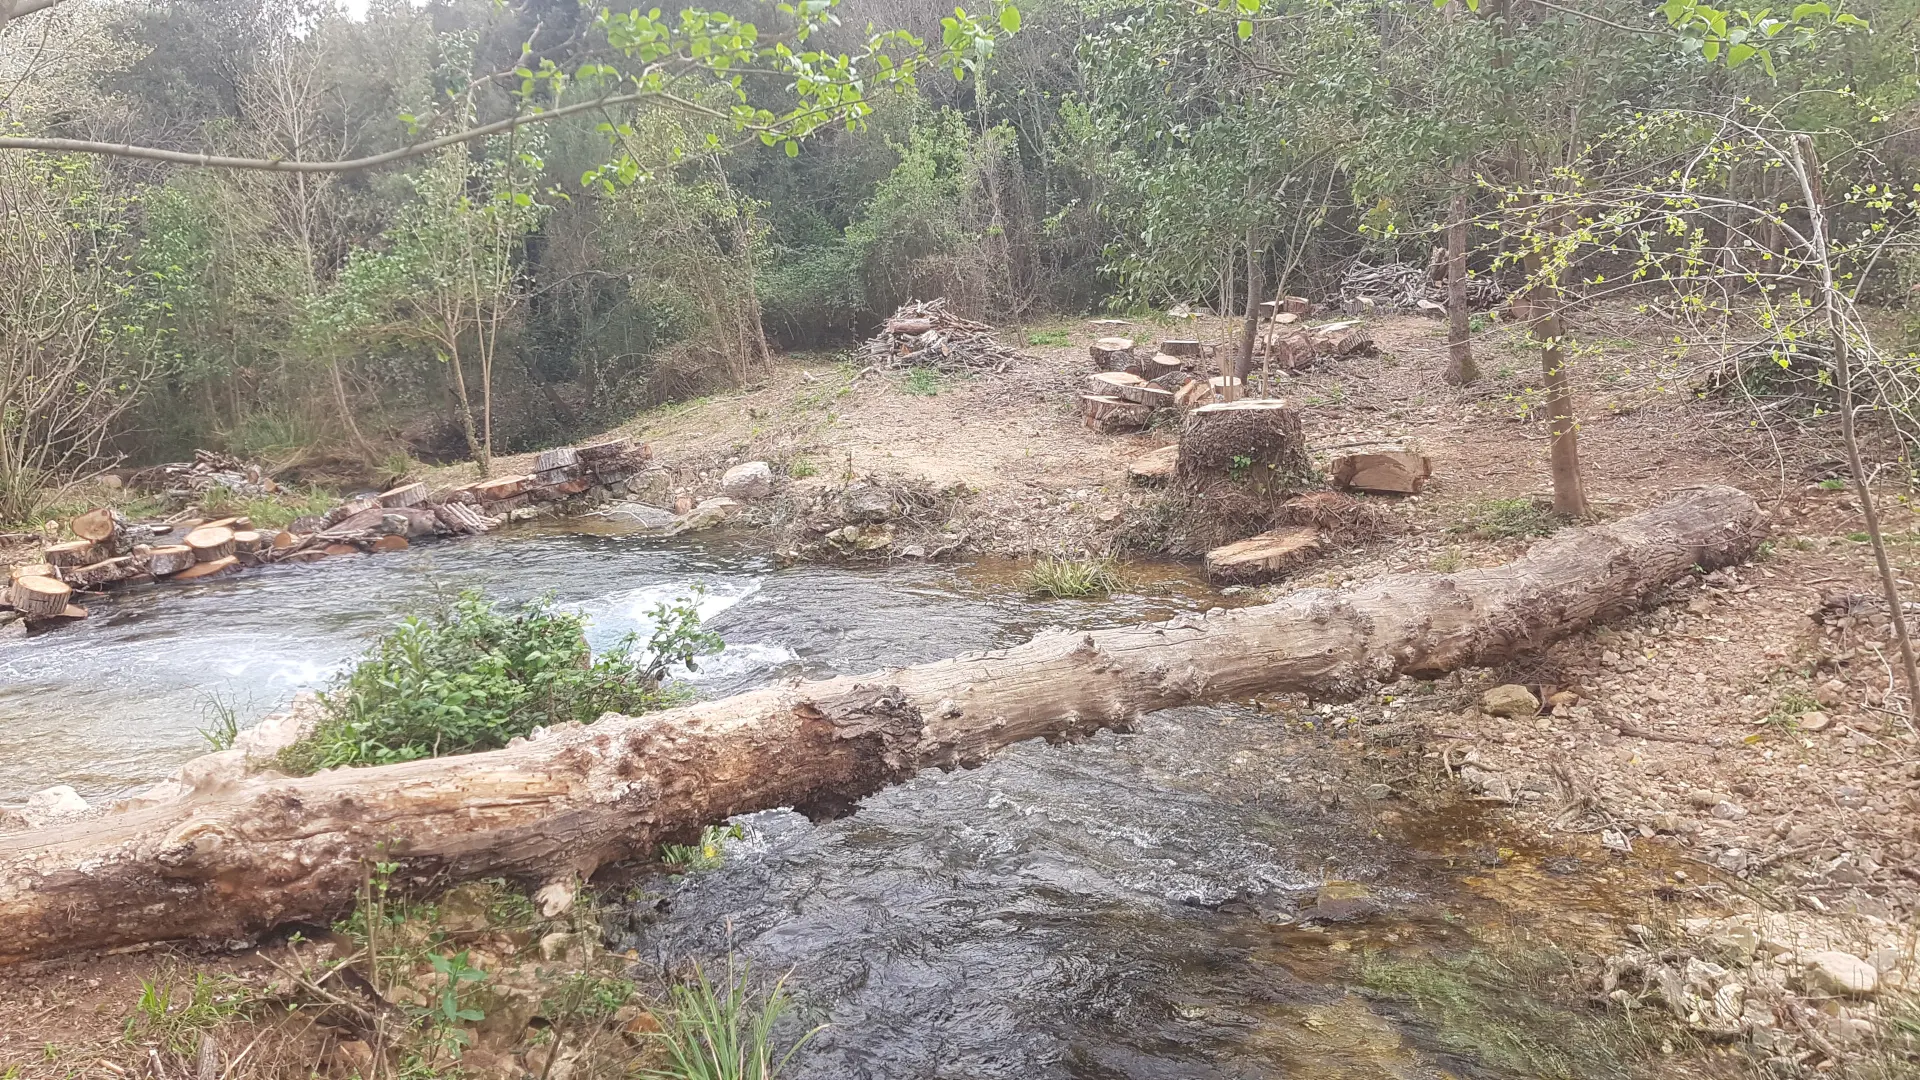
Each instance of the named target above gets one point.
<point>471,676</point>
<point>1062,577</point>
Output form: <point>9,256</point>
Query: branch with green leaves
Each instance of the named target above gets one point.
<point>697,61</point>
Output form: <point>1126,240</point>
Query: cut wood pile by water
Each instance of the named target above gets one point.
<point>108,552</point>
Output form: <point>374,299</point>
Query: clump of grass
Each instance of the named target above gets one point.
<point>174,1014</point>
<point>1066,577</point>
<point>705,855</point>
<point>1506,519</point>
<point>923,381</point>
<point>223,722</point>
<point>724,1031</point>
<point>1446,562</point>
<point>1049,337</point>
<point>800,468</point>
<point>472,676</point>
<point>267,511</point>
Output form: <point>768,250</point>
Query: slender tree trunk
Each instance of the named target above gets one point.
<point>1250,324</point>
<point>236,858</point>
<point>1461,369</point>
<point>1814,191</point>
<point>1542,301</point>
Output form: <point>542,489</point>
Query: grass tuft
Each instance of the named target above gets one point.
<point>1506,519</point>
<point>923,381</point>
<point>725,1031</point>
<point>1050,337</point>
<point>1064,577</point>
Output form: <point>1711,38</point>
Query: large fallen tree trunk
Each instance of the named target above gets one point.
<point>230,863</point>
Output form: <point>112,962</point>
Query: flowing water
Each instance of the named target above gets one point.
<point>1188,902</point>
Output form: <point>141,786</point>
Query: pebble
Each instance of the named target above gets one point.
<point>1510,700</point>
<point>1729,811</point>
<point>1378,791</point>
<point>1814,721</point>
<point>1831,693</point>
<point>1703,799</point>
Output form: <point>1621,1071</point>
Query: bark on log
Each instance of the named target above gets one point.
<point>1111,414</point>
<point>39,597</point>
<point>170,559</point>
<point>560,457</point>
<point>70,553</point>
<point>1180,347</point>
<point>1143,393</point>
<point>1245,450</point>
<point>235,861</point>
<point>1112,353</point>
<point>210,542</point>
<point>1108,383</point>
<point>404,495</point>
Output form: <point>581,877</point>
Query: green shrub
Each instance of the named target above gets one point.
<point>724,1031</point>
<point>471,677</point>
<point>1063,577</point>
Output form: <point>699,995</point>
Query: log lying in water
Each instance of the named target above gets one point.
<point>230,863</point>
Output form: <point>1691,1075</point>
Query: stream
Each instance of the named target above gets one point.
<point>1192,901</point>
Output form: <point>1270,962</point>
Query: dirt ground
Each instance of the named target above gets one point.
<point>1735,737</point>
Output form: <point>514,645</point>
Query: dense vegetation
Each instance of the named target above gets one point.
<point>473,676</point>
<point>789,179</point>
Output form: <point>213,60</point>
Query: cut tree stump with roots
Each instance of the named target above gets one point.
<point>243,856</point>
<point>1252,449</point>
<point>1267,557</point>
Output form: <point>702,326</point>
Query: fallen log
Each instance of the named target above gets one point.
<point>236,859</point>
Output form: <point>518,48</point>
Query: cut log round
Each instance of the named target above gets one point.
<point>210,542</point>
<point>100,525</point>
<point>1226,388</point>
<point>36,569</point>
<point>1267,557</point>
<point>1161,365</point>
<point>1110,383</point>
<point>1145,393</point>
<point>341,549</point>
<point>73,553</point>
<point>404,495</point>
<point>287,539</point>
<point>1180,347</point>
<point>1291,351</point>
<point>1342,339</point>
<point>1297,305</point>
<point>248,541</point>
<point>208,569</point>
<point>39,597</point>
<point>610,450</point>
<point>106,572</point>
<point>392,542</point>
<point>1112,414</point>
<point>234,861</point>
<point>1387,471</point>
<point>168,560</point>
<point>1112,353</point>
<point>1154,467</point>
<point>560,457</point>
<point>501,488</point>
<point>348,509</point>
<point>1252,449</point>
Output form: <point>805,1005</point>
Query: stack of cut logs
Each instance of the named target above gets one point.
<point>108,552</point>
<point>1132,382</point>
<point>926,334</point>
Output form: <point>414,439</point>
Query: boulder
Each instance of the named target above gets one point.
<point>704,516</point>
<point>867,502</point>
<point>1510,700</point>
<point>1840,973</point>
<point>55,804</point>
<point>638,513</point>
<point>750,480</point>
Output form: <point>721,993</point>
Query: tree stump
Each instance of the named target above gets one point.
<point>1162,365</point>
<point>210,542</point>
<point>106,528</point>
<point>1263,558</point>
<point>70,553</point>
<point>1254,449</point>
<point>1180,347</point>
<point>39,597</point>
<point>404,495</point>
<point>1112,353</point>
<point>1343,339</point>
<point>1145,393</point>
<point>1154,467</point>
<point>169,560</point>
<point>1226,388</point>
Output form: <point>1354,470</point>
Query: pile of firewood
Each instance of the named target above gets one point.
<point>109,552</point>
<point>926,334</point>
<point>1406,287</point>
<point>209,469</point>
<point>1133,383</point>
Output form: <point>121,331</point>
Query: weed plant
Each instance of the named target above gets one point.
<point>1064,577</point>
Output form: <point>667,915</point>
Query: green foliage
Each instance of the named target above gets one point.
<point>922,381</point>
<point>223,722</point>
<point>800,468</point>
<point>1050,337</point>
<point>471,676</point>
<point>268,511</point>
<point>704,855</point>
<point>1064,577</point>
<point>173,1014</point>
<point>725,1031</point>
<point>1507,519</point>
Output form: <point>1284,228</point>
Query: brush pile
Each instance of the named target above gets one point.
<point>925,334</point>
<point>209,469</point>
<point>1407,287</point>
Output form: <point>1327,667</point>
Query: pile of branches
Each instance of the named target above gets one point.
<point>926,334</point>
<point>209,469</point>
<point>1405,286</point>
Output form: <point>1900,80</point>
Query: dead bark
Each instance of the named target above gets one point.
<point>231,862</point>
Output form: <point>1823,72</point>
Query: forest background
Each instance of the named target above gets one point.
<point>545,282</point>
